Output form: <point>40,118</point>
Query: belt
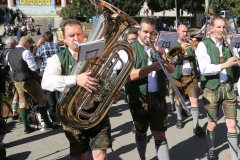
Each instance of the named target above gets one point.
<point>153,93</point>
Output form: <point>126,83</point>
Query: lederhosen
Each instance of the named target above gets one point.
<point>187,83</point>
<point>147,107</point>
<point>216,92</point>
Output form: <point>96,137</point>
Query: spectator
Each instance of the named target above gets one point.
<point>210,16</point>
<point>39,43</point>
<point>147,11</point>
<point>43,53</point>
<point>10,45</point>
<point>23,65</point>
<point>22,32</point>
<point>38,30</point>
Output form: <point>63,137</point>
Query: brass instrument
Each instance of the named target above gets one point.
<point>193,43</point>
<point>175,55</point>
<point>110,24</point>
<point>169,77</point>
<point>230,48</point>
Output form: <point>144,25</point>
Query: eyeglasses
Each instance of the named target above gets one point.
<point>131,39</point>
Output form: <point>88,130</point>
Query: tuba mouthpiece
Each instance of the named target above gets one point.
<point>77,43</point>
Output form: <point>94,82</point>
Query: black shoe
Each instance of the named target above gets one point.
<point>198,131</point>
<point>133,129</point>
<point>15,117</point>
<point>179,124</point>
<point>172,108</point>
<point>29,130</point>
<point>211,155</point>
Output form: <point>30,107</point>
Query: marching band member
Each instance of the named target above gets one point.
<point>146,90</point>
<point>185,78</point>
<point>215,62</point>
<point>59,67</point>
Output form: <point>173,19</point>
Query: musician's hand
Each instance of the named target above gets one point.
<point>84,80</point>
<point>185,45</point>
<point>156,66</point>
<point>230,62</point>
<point>117,95</point>
<point>159,50</point>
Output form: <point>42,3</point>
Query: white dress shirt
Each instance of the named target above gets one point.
<point>204,61</point>
<point>52,79</point>
<point>152,77</point>
<point>27,57</point>
<point>124,56</point>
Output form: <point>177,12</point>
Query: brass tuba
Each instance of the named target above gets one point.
<point>110,24</point>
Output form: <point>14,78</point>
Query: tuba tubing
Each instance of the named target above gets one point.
<point>74,103</point>
<point>169,78</point>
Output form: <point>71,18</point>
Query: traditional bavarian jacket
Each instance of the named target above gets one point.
<point>67,61</point>
<point>138,89</point>
<point>212,82</point>
<point>178,68</point>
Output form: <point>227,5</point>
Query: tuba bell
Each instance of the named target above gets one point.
<point>110,23</point>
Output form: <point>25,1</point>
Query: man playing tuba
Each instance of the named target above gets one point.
<point>184,76</point>
<point>57,75</point>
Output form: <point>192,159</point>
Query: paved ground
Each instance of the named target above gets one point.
<point>54,145</point>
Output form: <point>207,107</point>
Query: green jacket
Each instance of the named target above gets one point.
<point>67,61</point>
<point>138,89</point>
<point>178,68</point>
<point>212,82</point>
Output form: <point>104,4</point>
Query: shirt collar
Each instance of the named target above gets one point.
<point>21,46</point>
<point>144,45</point>
<point>218,43</point>
<point>74,54</point>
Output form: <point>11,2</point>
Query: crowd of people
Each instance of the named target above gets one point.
<point>18,21</point>
<point>146,86</point>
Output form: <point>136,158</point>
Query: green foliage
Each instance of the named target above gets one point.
<point>8,95</point>
<point>68,12</point>
<point>187,5</point>
<point>234,5</point>
<point>85,7</point>
<point>2,13</point>
<point>131,7</point>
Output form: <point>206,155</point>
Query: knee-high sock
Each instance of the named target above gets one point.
<point>233,145</point>
<point>23,114</point>
<point>15,104</point>
<point>179,112</point>
<point>43,112</point>
<point>195,115</point>
<point>210,139</point>
<point>162,149</point>
<point>141,143</point>
<point>171,96</point>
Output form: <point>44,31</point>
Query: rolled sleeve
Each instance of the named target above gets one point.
<point>28,57</point>
<point>204,61</point>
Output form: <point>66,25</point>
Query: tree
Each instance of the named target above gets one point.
<point>78,8</point>
<point>68,12</point>
<point>188,5</point>
<point>131,7</point>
